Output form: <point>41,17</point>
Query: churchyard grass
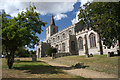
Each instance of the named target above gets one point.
<point>28,69</point>
<point>100,63</point>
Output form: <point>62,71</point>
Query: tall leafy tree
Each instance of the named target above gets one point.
<point>22,52</point>
<point>104,18</point>
<point>20,31</point>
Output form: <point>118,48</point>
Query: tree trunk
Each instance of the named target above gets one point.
<point>119,44</point>
<point>100,45</point>
<point>118,51</point>
<point>10,60</point>
<point>86,46</point>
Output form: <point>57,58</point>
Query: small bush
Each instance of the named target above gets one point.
<point>79,65</point>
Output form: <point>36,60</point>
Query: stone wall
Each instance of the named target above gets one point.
<point>41,49</point>
<point>71,35</point>
<point>84,34</point>
<point>62,54</point>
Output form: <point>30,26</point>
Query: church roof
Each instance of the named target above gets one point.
<point>79,27</point>
<point>52,21</point>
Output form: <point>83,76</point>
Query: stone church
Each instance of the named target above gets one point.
<point>75,40</point>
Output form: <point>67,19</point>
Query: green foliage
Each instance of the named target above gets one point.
<point>51,50</point>
<point>39,68</point>
<point>32,52</point>
<point>22,52</point>
<point>21,30</point>
<point>94,63</point>
<point>79,65</point>
<point>102,17</point>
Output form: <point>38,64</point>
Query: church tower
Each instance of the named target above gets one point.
<point>51,29</point>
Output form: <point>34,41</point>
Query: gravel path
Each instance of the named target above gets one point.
<point>90,73</point>
<point>82,72</point>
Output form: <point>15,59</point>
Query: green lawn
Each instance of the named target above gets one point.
<point>28,69</point>
<point>100,63</point>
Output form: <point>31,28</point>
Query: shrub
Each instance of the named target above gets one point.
<point>79,65</point>
<point>22,52</point>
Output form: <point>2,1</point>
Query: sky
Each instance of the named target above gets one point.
<point>65,12</point>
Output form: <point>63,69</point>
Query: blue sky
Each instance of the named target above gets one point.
<point>63,23</point>
<point>64,12</point>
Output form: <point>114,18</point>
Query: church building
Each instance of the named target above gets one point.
<point>75,40</point>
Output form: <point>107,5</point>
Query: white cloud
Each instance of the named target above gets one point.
<point>44,40</point>
<point>75,20</point>
<point>59,16</point>
<point>54,7</point>
<point>84,1</point>
<point>14,14</point>
<point>58,9</point>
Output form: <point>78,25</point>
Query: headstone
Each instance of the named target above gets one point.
<point>87,55</point>
<point>18,60</point>
<point>110,54</point>
<point>118,51</point>
<point>53,55</point>
<point>34,58</point>
<point>91,55</point>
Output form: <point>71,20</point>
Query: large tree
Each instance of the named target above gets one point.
<point>20,31</point>
<point>104,18</point>
<point>22,52</point>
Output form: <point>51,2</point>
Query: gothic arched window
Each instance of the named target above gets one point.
<point>63,47</point>
<point>63,35</point>
<point>80,39</point>
<point>54,30</point>
<point>58,37</point>
<point>70,32</point>
<point>53,39</point>
<point>73,45</point>
<point>57,47</point>
<point>92,40</point>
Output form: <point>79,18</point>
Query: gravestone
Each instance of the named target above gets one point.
<point>34,58</point>
<point>110,54</point>
<point>53,55</point>
<point>87,55</point>
<point>118,51</point>
<point>18,60</point>
<point>91,55</point>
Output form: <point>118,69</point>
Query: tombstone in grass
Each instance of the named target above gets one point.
<point>34,58</point>
<point>87,55</point>
<point>110,54</point>
<point>118,51</point>
<point>91,55</point>
<point>18,60</point>
<point>53,55</point>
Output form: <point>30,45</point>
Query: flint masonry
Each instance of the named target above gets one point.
<point>75,40</point>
